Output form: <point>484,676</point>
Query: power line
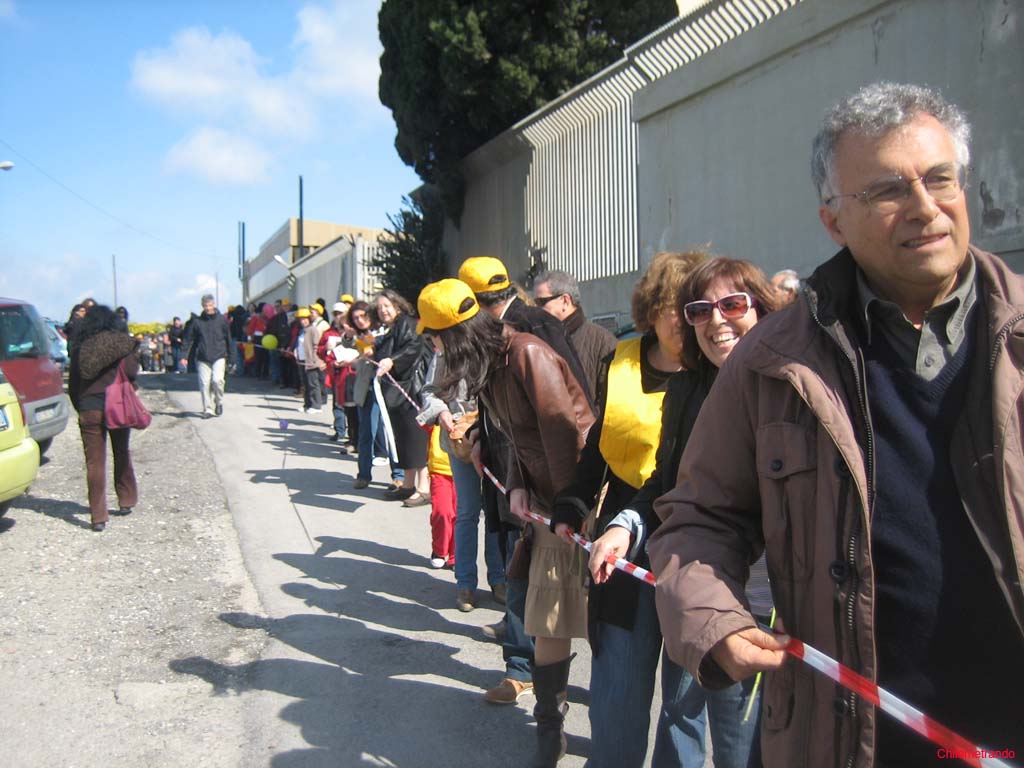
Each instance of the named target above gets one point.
<point>106,213</point>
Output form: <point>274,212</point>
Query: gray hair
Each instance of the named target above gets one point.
<point>875,110</point>
<point>207,297</point>
<point>559,282</point>
<point>790,280</point>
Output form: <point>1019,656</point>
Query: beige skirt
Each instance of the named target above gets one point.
<point>556,600</point>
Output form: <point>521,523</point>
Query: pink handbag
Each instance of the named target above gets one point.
<point>123,408</point>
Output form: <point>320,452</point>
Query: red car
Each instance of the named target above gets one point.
<point>26,360</point>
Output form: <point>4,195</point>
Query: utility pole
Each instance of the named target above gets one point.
<point>241,263</point>
<point>301,252</point>
<point>113,260</point>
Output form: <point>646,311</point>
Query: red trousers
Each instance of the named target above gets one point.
<point>94,441</point>
<point>442,517</point>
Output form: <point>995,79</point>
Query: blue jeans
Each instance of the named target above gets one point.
<point>468,505</point>
<point>274,358</point>
<point>371,430</point>
<point>517,647</point>
<point>340,422</point>
<point>621,690</point>
<point>239,357</point>
<point>369,424</point>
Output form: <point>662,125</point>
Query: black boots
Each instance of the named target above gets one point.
<point>549,686</point>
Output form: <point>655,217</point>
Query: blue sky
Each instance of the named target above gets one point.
<point>181,118</point>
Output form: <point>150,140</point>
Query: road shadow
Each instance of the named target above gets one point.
<point>372,697</point>
<point>394,596</point>
<point>308,486</point>
<point>6,523</point>
<point>364,548</point>
<point>68,511</point>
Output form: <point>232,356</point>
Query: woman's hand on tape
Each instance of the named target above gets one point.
<point>613,544</point>
<point>519,503</point>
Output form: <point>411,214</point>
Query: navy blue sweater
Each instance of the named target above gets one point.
<point>946,640</point>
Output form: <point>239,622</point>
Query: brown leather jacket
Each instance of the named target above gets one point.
<point>535,400</point>
<point>778,461</point>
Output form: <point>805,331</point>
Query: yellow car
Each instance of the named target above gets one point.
<point>19,453</point>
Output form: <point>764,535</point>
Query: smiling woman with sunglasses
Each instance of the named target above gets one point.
<point>720,301</point>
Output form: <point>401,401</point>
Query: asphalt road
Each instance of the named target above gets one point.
<point>254,610</point>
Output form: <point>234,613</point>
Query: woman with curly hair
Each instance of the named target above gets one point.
<point>103,347</point>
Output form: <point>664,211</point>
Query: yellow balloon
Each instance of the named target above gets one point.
<point>269,341</point>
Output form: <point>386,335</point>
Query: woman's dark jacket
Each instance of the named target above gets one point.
<point>410,354</point>
<point>93,367</point>
<point>614,602</point>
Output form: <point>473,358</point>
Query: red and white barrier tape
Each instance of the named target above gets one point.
<point>399,387</point>
<point>620,563</point>
<point>911,717</point>
<point>955,745</point>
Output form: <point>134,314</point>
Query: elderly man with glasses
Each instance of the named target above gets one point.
<point>869,441</point>
<point>558,294</point>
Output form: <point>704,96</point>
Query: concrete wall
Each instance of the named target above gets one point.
<point>724,142</point>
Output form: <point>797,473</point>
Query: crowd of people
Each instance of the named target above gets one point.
<point>835,459</point>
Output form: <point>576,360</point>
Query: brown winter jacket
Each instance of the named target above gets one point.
<point>94,364</point>
<point>535,400</point>
<point>779,461</point>
<point>592,343</point>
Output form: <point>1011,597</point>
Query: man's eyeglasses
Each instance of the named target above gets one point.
<point>888,195</point>
<point>540,301</point>
<point>732,307</point>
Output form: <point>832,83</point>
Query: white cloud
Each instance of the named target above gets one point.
<point>248,103</point>
<point>203,284</point>
<point>220,157</point>
<point>339,49</point>
<point>7,9</point>
<point>216,76</point>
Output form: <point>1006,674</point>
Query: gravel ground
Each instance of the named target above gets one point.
<point>91,622</point>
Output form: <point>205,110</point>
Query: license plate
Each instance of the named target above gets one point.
<point>4,424</point>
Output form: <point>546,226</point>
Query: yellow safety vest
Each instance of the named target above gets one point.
<point>631,427</point>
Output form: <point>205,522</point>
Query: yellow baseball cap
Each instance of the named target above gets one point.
<point>317,307</point>
<point>286,302</point>
<point>483,274</point>
<point>303,312</point>
<point>444,304</point>
<point>346,298</point>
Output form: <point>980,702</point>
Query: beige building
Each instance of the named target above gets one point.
<point>333,259</point>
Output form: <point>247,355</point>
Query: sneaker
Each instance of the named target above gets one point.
<point>335,437</point>
<point>465,600</point>
<point>219,410</point>
<point>360,483</point>
<point>436,561</point>
<point>380,461</point>
<point>507,691</point>
<point>495,631</point>
<point>498,592</point>
<point>314,410</point>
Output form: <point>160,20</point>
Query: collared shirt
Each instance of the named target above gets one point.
<point>928,349</point>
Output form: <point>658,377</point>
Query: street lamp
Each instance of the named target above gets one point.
<point>6,165</point>
<point>286,265</point>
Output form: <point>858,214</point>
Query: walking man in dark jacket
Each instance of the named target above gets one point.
<point>210,336</point>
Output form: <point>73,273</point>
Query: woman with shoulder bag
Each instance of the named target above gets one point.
<point>103,348</point>
<point>535,400</point>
